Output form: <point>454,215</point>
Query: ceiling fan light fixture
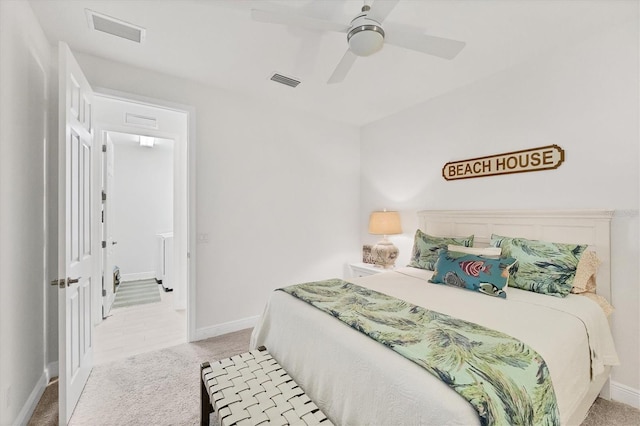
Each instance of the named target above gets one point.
<point>365,40</point>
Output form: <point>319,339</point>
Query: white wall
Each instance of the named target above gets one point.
<point>24,84</point>
<point>142,199</point>
<point>276,192</point>
<point>584,99</point>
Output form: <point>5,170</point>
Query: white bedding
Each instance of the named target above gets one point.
<point>356,380</point>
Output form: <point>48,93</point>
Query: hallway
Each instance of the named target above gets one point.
<point>137,329</point>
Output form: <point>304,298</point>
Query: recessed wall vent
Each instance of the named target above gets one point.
<point>110,25</point>
<point>141,120</point>
<point>287,81</point>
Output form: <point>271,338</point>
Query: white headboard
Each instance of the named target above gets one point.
<point>590,227</point>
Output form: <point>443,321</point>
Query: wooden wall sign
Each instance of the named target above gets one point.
<point>528,160</point>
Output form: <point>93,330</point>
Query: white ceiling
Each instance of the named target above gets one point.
<point>215,42</point>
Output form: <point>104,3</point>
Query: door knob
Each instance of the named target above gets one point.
<point>73,280</point>
<point>113,243</point>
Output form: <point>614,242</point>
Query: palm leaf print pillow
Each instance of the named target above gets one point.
<point>425,248</point>
<point>543,267</point>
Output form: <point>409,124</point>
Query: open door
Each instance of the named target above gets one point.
<point>75,330</point>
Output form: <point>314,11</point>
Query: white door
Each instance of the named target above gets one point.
<point>75,330</point>
<point>107,225</point>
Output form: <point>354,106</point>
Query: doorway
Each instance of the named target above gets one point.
<point>143,196</point>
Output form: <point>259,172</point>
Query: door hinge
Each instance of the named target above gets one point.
<point>104,195</point>
<point>104,293</point>
<point>104,244</point>
<point>104,148</point>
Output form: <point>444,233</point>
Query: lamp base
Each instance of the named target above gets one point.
<point>384,254</point>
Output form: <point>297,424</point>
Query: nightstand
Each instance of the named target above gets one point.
<point>364,269</point>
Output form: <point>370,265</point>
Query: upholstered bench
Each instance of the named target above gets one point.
<point>253,389</point>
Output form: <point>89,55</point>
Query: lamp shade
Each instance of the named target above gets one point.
<point>384,223</point>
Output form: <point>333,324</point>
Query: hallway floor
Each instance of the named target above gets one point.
<point>137,329</point>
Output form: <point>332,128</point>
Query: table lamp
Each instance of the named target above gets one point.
<point>384,253</point>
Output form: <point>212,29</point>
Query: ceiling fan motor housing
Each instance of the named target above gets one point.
<point>366,36</point>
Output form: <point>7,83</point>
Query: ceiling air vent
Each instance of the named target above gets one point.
<point>116,27</point>
<point>287,81</point>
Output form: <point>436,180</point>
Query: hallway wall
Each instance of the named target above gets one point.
<point>142,205</point>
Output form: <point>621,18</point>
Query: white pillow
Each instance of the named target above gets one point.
<point>488,252</point>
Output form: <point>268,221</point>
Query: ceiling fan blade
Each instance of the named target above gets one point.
<point>437,46</point>
<point>380,9</point>
<point>294,19</point>
<point>343,67</point>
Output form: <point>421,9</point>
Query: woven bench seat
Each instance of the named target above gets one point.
<point>253,389</point>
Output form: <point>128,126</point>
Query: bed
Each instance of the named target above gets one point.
<point>355,380</point>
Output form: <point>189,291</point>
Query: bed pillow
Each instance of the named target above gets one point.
<point>477,273</point>
<point>584,283</point>
<point>585,279</point>
<point>543,267</point>
<point>425,248</point>
<point>489,252</point>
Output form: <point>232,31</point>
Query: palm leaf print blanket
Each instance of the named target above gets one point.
<point>506,381</point>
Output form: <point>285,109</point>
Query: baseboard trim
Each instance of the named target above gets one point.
<point>227,327</point>
<point>625,394</point>
<point>52,370</point>
<point>136,276</point>
<point>30,404</point>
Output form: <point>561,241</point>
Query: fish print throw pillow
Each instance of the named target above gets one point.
<point>477,273</point>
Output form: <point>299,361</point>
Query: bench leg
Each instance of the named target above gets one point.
<point>205,404</point>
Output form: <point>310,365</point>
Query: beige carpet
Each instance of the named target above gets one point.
<point>156,388</point>
<point>46,412</point>
<point>162,388</point>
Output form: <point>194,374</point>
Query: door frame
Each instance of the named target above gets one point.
<point>102,304</point>
<point>189,199</point>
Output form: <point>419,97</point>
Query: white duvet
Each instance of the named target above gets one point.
<point>357,381</point>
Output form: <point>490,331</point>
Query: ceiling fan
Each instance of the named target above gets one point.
<point>365,35</point>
